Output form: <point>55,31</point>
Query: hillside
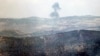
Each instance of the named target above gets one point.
<point>87,41</point>
<point>77,42</point>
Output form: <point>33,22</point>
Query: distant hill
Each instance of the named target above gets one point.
<point>80,17</point>
<point>38,25</point>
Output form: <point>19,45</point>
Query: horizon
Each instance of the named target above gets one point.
<point>47,17</point>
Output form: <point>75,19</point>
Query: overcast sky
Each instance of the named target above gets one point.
<point>43,8</point>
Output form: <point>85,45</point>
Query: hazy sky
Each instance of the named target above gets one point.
<point>42,8</point>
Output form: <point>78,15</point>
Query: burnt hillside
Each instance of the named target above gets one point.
<point>73,43</point>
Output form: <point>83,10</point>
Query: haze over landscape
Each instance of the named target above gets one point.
<point>49,27</point>
<point>28,16</point>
